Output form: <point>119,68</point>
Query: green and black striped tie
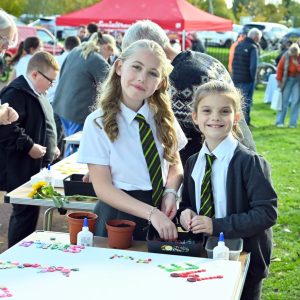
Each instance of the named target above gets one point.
<point>152,159</point>
<point>207,200</point>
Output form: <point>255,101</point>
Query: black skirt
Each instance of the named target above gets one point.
<point>105,212</point>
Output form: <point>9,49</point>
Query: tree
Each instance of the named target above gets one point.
<point>219,7</point>
<point>15,7</point>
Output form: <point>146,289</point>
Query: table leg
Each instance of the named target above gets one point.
<point>47,222</point>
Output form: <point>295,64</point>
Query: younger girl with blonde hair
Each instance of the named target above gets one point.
<point>131,143</point>
<point>227,187</point>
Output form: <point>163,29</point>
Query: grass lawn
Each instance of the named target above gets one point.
<point>281,147</point>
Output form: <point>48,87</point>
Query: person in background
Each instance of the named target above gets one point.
<point>8,38</point>
<point>91,29</point>
<point>197,44</point>
<point>25,51</point>
<point>244,67</point>
<point>238,199</point>
<point>240,38</point>
<point>191,69</point>
<point>81,33</point>
<point>129,170</point>
<point>70,43</point>
<point>8,32</point>
<point>284,47</point>
<point>29,144</point>
<point>84,68</point>
<point>288,70</point>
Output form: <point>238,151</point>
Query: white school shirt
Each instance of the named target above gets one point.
<point>224,153</point>
<point>125,155</point>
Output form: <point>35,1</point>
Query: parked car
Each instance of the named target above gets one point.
<point>49,41</point>
<point>217,38</point>
<point>272,33</point>
<point>292,35</point>
<point>61,32</point>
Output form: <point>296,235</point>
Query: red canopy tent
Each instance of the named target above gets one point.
<point>174,15</point>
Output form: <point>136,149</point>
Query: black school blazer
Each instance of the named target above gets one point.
<point>251,205</point>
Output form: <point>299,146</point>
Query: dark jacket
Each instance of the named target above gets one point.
<point>198,46</point>
<point>16,139</point>
<point>245,61</point>
<point>251,206</point>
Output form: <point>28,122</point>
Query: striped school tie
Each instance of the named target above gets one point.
<point>207,201</point>
<point>152,159</point>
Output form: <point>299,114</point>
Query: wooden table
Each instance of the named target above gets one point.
<point>95,260</point>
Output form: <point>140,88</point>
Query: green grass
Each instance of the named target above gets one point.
<point>281,147</point>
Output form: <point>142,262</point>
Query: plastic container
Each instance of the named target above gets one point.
<point>187,244</point>
<point>85,237</point>
<point>235,247</point>
<point>74,185</point>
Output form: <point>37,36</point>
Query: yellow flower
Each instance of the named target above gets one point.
<point>39,184</point>
<point>36,187</point>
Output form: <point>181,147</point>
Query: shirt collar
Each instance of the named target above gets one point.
<point>226,146</point>
<point>129,114</point>
<point>30,84</point>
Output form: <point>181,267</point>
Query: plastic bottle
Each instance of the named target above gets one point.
<point>85,237</point>
<point>221,251</point>
<point>48,175</point>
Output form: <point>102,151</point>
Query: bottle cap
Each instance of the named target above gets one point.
<point>85,222</point>
<point>221,237</point>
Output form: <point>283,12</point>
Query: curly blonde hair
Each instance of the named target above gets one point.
<point>110,92</point>
<point>221,88</point>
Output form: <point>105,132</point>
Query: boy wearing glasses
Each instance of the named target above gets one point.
<point>29,144</point>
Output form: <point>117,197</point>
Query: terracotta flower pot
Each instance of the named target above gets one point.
<point>75,220</point>
<point>120,233</point>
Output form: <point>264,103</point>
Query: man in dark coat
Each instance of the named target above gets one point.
<point>244,67</point>
<point>28,144</point>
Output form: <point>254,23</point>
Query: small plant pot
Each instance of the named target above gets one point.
<point>120,233</point>
<point>75,220</point>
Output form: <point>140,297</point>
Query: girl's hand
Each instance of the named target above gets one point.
<point>168,205</point>
<point>86,177</point>
<point>202,224</point>
<point>186,219</point>
<point>164,226</point>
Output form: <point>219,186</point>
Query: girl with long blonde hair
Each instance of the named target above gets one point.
<point>135,176</point>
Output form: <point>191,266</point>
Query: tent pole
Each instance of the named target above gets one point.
<point>183,40</point>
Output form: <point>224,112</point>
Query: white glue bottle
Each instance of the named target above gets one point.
<point>85,237</point>
<point>221,251</point>
<point>48,175</point>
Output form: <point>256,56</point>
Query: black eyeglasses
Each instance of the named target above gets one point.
<point>51,81</point>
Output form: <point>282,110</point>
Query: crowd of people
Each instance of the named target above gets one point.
<point>133,106</point>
